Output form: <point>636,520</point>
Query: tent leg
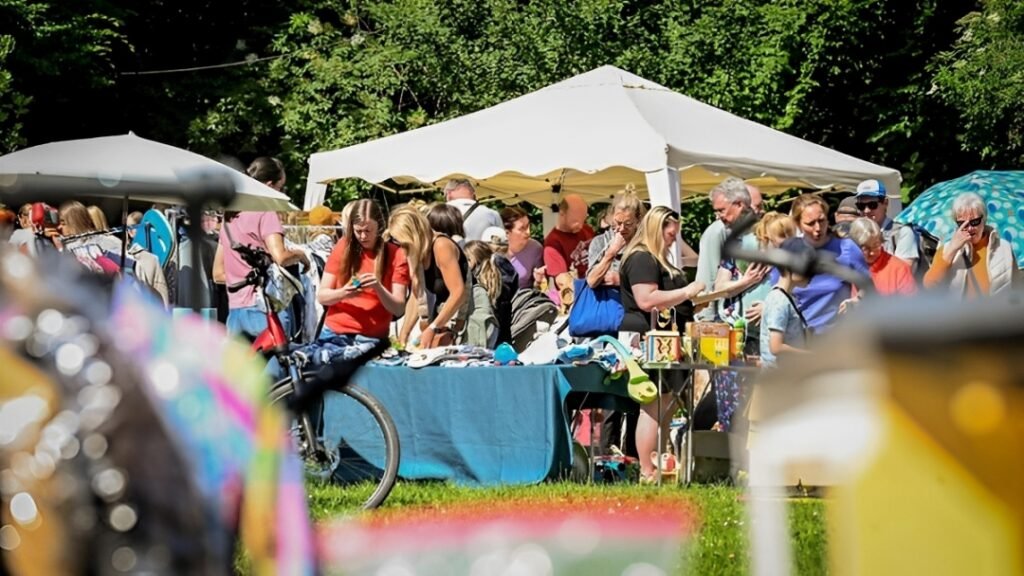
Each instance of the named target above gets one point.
<point>663,190</point>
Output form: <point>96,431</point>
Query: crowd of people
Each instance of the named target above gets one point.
<point>435,274</point>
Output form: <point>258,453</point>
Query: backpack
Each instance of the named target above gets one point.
<point>927,245</point>
<point>528,308</point>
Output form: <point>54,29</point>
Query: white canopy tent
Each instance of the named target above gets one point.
<point>129,158</point>
<point>592,134</point>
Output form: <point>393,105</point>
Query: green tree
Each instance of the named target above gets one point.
<point>56,69</point>
<point>982,78</point>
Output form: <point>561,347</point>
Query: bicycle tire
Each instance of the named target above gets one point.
<point>282,389</point>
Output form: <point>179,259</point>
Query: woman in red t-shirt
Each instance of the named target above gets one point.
<point>365,280</point>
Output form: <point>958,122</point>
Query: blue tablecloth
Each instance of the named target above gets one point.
<point>483,425</point>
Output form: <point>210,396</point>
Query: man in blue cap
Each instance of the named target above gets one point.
<point>898,239</point>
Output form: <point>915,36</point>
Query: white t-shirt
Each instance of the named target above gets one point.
<point>24,237</point>
<point>481,219</point>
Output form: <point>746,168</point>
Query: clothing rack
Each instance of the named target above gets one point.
<point>73,237</point>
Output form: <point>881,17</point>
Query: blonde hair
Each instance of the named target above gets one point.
<point>774,225</point>
<point>628,201</point>
<point>410,229</point>
<point>481,261</point>
<point>650,238</point>
<point>76,218</point>
<point>804,202</point>
<point>99,220</point>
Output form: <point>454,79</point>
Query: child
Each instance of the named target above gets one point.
<point>783,328</point>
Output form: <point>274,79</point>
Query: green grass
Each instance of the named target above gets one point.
<point>721,540</point>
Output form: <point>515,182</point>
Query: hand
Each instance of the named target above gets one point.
<point>848,304</point>
<point>540,274</point>
<point>302,258</point>
<point>960,239</point>
<point>426,337</point>
<point>368,280</point>
<point>617,244</point>
<point>753,313</point>
<point>754,274</point>
<point>611,278</point>
<point>348,290</point>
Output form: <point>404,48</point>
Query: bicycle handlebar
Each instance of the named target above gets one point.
<point>809,264</point>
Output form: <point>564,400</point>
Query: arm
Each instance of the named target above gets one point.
<point>649,297</point>
<point>446,255</point>
<point>410,319</point>
<point>689,258</point>
<point>599,267</point>
<point>393,301</point>
<point>710,256</point>
<point>219,275</point>
<point>754,274</point>
<point>778,347</point>
<point>328,295</point>
<point>283,257</point>
<point>936,275</point>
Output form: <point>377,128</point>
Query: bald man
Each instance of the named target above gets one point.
<point>565,248</point>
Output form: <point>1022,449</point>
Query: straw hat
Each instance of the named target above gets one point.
<point>321,216</point>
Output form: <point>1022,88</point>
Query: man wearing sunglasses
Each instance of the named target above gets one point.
<point>899,240</point>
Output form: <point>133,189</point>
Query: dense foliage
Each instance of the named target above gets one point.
<point>931,87</point>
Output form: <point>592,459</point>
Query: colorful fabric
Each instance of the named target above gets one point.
<point>214,394</point>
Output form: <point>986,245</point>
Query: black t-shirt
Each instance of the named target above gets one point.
<point>642,268</point>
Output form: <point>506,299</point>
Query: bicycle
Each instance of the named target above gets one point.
<point>368,449</point>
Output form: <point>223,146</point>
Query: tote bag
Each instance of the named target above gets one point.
<point>595,312</point>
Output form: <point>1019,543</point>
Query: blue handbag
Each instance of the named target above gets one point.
<point>595,312</point>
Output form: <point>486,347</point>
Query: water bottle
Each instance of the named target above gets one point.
<point>505,354</point>
<point>738,338</point>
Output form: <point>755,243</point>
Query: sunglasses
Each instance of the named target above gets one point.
<point>869,205</point>
<point>972,223</point>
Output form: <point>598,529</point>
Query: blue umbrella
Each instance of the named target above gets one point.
<point>1003,193</point>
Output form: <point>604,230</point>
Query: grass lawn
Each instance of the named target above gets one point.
<point>721,541</point>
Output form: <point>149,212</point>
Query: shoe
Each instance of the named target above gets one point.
<point>646,480</point>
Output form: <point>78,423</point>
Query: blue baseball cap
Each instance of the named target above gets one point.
<point>871,189</point>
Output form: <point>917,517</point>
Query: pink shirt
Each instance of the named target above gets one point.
<point>249,228</point>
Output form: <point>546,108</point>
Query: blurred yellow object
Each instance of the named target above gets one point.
<point>31,530</point>
<point>913,417</point>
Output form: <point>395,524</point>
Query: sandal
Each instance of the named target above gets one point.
<point>646,480</point>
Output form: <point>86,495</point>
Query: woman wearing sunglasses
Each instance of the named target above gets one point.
<point>976,261</point>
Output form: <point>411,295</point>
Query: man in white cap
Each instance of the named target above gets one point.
<point>898,239</point>
<point>476,217</point>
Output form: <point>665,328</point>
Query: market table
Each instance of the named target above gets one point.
<point>483,425</point>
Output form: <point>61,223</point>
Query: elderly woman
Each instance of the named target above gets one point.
<point>649,281</point>
<point>891,275</point>
<point>976,261</point>
<point>605,250</point>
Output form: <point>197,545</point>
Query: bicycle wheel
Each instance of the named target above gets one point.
<point>361,446</point>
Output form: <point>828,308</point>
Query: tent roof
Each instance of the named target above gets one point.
<point>592,134</point>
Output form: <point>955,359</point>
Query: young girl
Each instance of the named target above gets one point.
<point>783,328</point>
